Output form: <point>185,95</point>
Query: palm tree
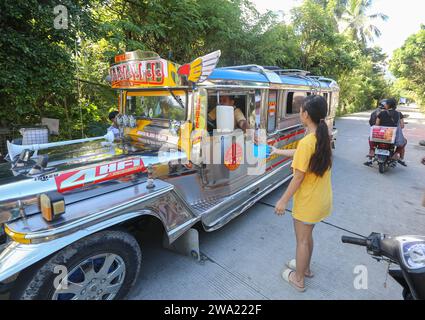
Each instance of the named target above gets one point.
<point>356,22</point>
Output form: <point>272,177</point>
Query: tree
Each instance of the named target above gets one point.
<point>358,24</point>
<point>408,64</point>
<point>37,58</point>
<point>61,73</point>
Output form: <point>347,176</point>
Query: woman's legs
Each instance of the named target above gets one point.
<point>304,237</point>
<point>401,150</point>
<point>371,149</point>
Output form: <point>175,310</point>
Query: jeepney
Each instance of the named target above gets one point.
<point>68,210</point>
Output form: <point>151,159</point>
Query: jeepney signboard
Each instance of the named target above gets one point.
<point>138,73</point>
<point>143,69</point>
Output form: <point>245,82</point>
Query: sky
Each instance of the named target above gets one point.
<point>405,18</point>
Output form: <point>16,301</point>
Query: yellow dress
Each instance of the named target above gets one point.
<point>313,199</point>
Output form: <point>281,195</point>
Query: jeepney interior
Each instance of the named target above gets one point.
<point>240,99</point>
<point>163,105</point>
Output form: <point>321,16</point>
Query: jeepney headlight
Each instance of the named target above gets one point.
<point>52,205</point>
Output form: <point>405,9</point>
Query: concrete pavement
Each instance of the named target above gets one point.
<point>244,259</point>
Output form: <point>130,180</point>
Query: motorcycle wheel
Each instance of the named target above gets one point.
<point>381,167</point>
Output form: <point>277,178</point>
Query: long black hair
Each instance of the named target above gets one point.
<point>317,108</point>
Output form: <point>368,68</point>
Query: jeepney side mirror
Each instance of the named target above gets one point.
<point>40,165</point>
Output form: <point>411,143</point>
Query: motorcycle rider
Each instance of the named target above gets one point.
<point>372,122</point>
<point>390,118</point>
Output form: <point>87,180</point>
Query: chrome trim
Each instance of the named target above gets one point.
<point>232,197</point>
<point>17,256</point>
<point>87,221</point>
<point>218,223</point>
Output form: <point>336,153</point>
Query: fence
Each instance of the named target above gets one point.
<point>6,134</point>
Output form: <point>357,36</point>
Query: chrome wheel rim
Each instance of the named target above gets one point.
<point>99,277</point>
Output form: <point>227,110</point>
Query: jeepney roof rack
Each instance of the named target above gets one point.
<point>289,72</point>
<point>266,70</point>
<point>253,68</point>
<point>323,79</point>
<point>303,74</point>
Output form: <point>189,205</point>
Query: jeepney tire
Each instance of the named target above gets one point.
<point>37,282</point>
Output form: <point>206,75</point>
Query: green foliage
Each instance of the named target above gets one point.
<point>61,73</point>
<point>408,64</point>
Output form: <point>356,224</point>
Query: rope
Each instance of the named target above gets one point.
<point>327,223</point>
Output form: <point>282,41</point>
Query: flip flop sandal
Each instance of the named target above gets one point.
<point>285,276</point>
<point>293,266</point>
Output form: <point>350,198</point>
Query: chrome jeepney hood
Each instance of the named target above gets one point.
<point>76,177</point>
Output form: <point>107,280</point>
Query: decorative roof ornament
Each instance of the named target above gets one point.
<point>199,69</point>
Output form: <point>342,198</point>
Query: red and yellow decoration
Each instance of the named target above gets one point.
<point>146,69</point>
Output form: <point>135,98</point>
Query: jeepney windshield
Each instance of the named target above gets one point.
<point>171,104</point>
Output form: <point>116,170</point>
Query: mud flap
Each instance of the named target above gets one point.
<point>187,244</point>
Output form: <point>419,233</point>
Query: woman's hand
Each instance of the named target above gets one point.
<point>274,151</point>
<point>280,207</point>
<point>282,152</point>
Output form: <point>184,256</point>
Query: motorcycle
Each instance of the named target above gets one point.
<point>384,153</point>
<point>408,252</point>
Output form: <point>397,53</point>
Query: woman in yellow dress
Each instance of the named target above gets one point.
<point>310,187</point>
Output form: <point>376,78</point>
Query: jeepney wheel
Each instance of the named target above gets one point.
<point>103,266</point>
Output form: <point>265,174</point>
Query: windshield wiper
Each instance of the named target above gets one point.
<point>175,98</point>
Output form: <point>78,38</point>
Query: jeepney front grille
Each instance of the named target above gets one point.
<point>206,204</point>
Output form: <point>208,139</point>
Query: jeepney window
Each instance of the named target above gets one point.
<point>271,111</point>
<point>239,98</point>
<point>294,101</point>
<point>158,104</point>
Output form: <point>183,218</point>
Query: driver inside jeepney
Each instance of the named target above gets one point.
<point>159,105</point>
<point>239,118</point>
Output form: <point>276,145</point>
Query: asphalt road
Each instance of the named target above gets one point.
<point>244,259</point>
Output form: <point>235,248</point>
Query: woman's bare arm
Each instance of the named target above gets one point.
<point>286,153</point>
<point>293,186</point>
